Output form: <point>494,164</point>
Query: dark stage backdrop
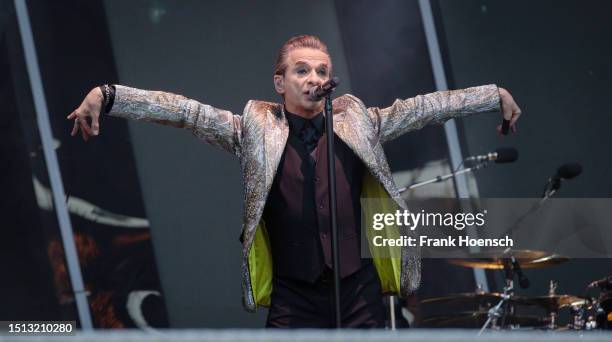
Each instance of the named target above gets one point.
<point>110,228</point>
<point>27,290</point>
<point>555,58</point>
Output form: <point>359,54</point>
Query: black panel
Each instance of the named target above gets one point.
<point>99,177</point>
<point>26,289</point>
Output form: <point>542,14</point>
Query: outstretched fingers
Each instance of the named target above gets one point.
<point>80,122</point>
<point>95,125</point>
<point>84,134</point>
<point>516,113</point>
<point>75,128</point>
<point>85,125</point>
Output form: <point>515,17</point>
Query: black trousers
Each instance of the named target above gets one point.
<point>300,304</point>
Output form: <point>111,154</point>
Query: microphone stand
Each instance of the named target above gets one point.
<point>549,191</point>
<point>331,173</point>
<point>442,178</point>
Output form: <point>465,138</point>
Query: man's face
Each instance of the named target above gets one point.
<point>306,68</point>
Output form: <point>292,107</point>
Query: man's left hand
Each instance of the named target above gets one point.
<point>510,110</point>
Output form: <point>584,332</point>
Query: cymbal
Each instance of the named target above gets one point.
<point>470,297</point>
<point>476,319</point>
<point>494,260</point>
<point>554,302</point>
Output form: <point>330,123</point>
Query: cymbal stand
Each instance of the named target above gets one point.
<point>552,290</point>
<point>499,310</point>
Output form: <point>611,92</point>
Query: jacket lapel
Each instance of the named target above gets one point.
<point>275,138</point>
<point>359,135</point>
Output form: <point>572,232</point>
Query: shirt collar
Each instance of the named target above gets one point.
<point>296,123</point>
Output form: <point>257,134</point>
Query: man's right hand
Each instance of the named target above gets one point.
<point>89,109</point>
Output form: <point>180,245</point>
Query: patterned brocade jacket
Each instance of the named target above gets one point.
<point>258,138</point>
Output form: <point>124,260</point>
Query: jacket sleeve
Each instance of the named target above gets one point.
<point>414,113</point>
<point>215,126</point>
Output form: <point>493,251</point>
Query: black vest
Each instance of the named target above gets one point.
<point>297,211</point>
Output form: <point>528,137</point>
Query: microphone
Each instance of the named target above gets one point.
<point>499,156</point>
<point>601,283</point>
<point>316,93</point>
<point>568,171</point>
<point>565,171</point>
<point>505,128</point>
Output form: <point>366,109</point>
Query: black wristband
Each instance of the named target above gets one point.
<point>111,98</point>
<point>108,93</point>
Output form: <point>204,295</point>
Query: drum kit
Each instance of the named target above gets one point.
<point>499,311</point>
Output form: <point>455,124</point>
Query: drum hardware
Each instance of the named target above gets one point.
<point>476,318</point>
<point>502,314</point>
<point>511,266</point>
<point>577,313</point>
<point>603,314</point>
<point>591,324</point>
<point>586,313</point>
<point>552,291</point>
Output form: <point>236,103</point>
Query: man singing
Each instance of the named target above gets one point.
<point>283,156</point>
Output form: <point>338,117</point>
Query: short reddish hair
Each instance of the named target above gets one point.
<point>301,41</point>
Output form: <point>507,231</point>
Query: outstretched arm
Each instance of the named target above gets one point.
<point>216,126</point>
<point>414,113</point>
